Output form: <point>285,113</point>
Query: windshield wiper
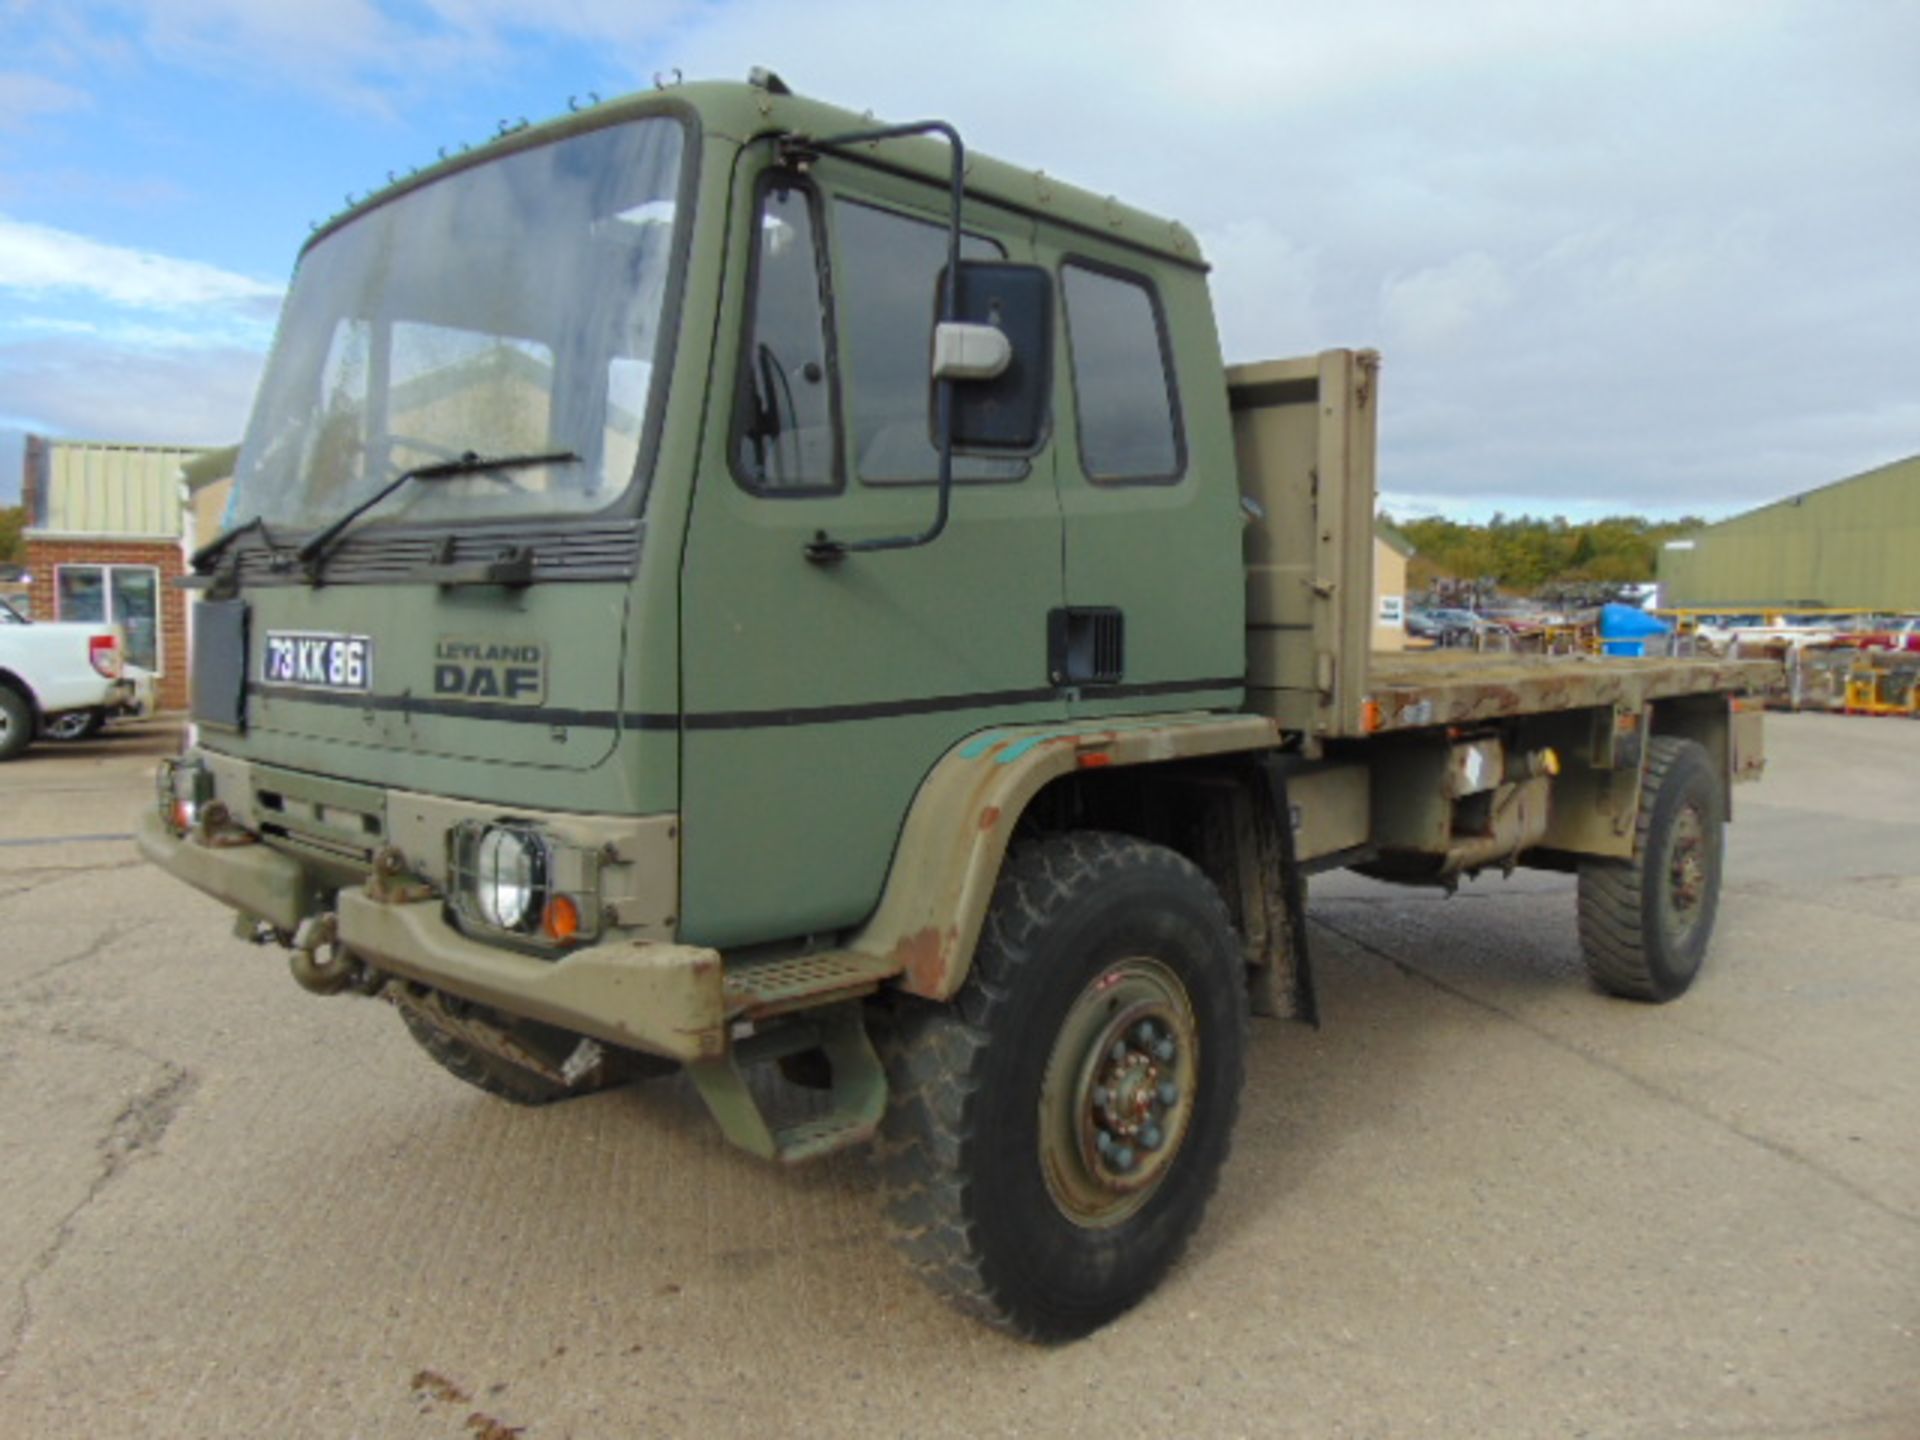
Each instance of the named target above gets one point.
<point>204,557</point>
<point>313,554</point>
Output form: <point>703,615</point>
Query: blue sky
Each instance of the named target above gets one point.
<point>1653,255</point>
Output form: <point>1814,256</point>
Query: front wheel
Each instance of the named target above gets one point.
<point>519,1061</point>
<point>1054,1135</point>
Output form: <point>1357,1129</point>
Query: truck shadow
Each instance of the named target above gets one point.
<point>641,1177</point>
<point>1410,985</point>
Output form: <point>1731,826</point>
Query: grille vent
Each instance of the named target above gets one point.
<point>1086,645</point>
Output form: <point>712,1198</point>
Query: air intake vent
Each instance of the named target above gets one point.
<point>555,550</point>
<point>1086,646</point>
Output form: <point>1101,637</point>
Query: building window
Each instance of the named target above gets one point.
<point>123,595</point>
<point>1122,385</point>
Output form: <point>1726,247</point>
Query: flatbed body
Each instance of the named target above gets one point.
<point>1414,689</point>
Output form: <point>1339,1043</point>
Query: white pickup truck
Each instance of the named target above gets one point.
<point>52,673</point>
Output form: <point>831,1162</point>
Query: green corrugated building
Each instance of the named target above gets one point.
<point>1853,545</point>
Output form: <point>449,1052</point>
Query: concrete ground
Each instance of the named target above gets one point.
<point>1482,1201</point>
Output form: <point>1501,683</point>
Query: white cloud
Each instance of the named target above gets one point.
<point>1263,291</point>
<point>25,96</point>
<point>1649,252</point>
<point>369,55</point>
<point>212,330</point>
<point>75,385</point>
<point>38,259</point>
<point>1433,307</point>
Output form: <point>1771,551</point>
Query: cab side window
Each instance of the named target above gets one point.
<point>785,442</point>
<point>1122,378</point>
<point>889,266</point>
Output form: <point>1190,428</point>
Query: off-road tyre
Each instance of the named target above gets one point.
<point>16,722</point>
<point>514,1083</point>
<point>972,1198</point>
<point>1645,922</point>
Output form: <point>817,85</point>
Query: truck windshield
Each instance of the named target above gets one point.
<point>510,308</point>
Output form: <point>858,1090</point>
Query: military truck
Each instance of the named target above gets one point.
<point>730,586</point>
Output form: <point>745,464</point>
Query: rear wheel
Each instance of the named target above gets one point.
<point>1645,922</point>
<point>75,725</point>
<point>1054,1135</point>
<point>520,1061</point>
<point>16,722</point>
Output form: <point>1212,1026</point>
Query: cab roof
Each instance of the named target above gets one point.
<point>741,112</point>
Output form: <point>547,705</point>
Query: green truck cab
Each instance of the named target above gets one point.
<point>725,584</point>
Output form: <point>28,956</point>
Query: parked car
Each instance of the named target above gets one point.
<point>1903,634</point>
<point>84,724</point>
<point>1776,632</point>
<point>51,673</point>
<point>1464,628</point>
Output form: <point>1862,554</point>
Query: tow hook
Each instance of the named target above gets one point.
<point>319,963</point>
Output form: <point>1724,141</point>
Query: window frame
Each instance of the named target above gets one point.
<point>111,606</point>
<point>900,210</point>
<point>1169,372</point>
<point>769,179</point>
<point>630,502</point>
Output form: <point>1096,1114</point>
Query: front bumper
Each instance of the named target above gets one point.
<point>666,999</point>
<point>132,697</point>
<point>252,879</point>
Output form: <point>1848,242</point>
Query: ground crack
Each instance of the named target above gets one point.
<point>1639,1082</point>
<point>41,876</point>
<point>92,950</point>
<point>136,1131</point>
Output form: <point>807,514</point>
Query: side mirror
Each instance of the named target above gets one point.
<point>998,355</point>
<point>970,352</point>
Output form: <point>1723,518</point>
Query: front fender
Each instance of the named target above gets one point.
<point>963,816</point>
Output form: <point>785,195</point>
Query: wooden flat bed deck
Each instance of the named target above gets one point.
<point>1414,689</point>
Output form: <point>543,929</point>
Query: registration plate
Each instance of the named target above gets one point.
<point>317,662</point>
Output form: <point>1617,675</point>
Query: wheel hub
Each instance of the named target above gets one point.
<point>1117,1097</point>
<point>1686,870</point>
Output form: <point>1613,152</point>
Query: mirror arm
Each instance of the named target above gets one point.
<point>798,151</point>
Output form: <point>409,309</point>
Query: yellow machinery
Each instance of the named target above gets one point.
<point>1875,686</point>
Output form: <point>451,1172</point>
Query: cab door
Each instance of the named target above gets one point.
<point>1147,481</point>
<point>816,696</point>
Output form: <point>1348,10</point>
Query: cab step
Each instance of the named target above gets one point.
<point>758,990</point>
<point>856,1097</point>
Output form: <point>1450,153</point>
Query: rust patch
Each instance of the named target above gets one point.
<point>922,958</point>
<point>989,817</point>
<point>488,1428</point>
<point>434,1385</point>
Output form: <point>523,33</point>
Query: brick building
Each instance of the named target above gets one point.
<point>106,539</point>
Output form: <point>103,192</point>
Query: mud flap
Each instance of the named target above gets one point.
<point>1293,895</point>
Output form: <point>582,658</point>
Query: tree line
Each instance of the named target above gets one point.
<point>1527,554</point>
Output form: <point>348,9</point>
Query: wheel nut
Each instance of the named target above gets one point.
<point>1123,1158</point>
<point>1144,1034</point>
<point>1119,1051</point>
<point>1150,1138</point>
<point>1101,1097</point>
<point>1169,1092</point>
<point>1102,1141</point>
<point>1164,1050</point>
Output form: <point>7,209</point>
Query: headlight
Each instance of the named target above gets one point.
<point>517,881</point>
<point>183,788</point>
<point>509,878</point>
